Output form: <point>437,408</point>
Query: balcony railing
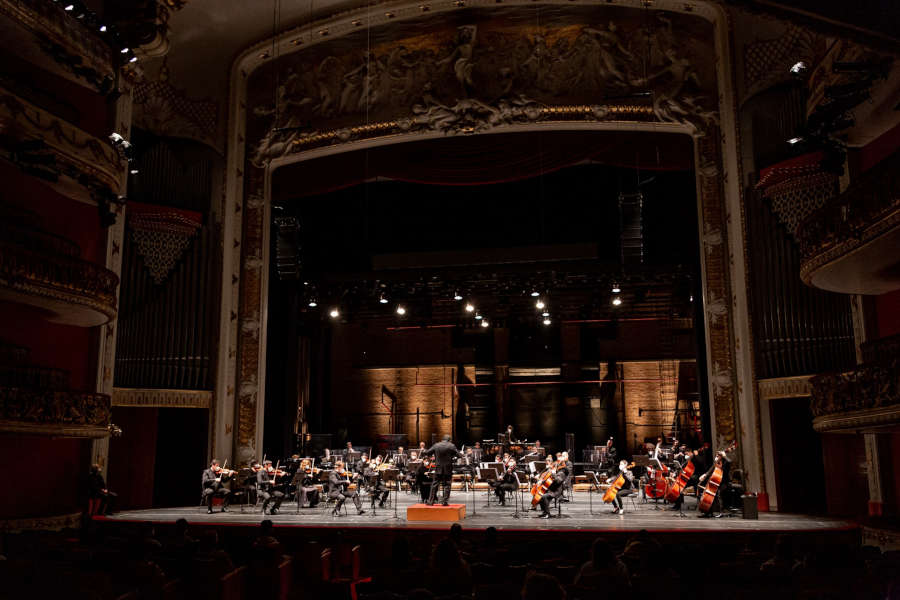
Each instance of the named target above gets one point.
<point>866,396</point>
<point>30,410</point>
<point>865,210</point>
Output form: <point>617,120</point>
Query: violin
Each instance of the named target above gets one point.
<point>613,490</point>
<point>715,480</point>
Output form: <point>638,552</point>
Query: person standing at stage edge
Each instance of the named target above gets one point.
<point>444,453</point>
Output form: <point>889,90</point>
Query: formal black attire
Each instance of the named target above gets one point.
<point>554,491</point>
<point>722,496</point>
<point>379,490</point>
<point>97,491</point>
<point>338,490</point>
<point>626,490</point>
<point>267,491</point>
<point>693,481</point>
<point>423,482</point>
<point>444,454</point>
<point>308,493</point>
<point>213,486</point>
<point>507,484</point>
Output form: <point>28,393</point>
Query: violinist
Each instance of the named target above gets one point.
<point>555,489</point>
<point>379,490</point>
<point>362,465</point>
<point>265,486</point>
<point>213,483</point>
<point>307,491</point>
<point>507,483</point>
<point>626,490</point>
<point>721,460</point>
<point>339,490</point>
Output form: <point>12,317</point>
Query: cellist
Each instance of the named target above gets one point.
<point>721,461</point>
<point>626,490</point>
<point>555,490</point>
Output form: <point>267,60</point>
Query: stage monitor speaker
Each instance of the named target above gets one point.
<point>751,510</point>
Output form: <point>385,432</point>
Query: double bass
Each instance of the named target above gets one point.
<point>658,482</point>
<point>681,481</point>
<point>612,491</point>
<point>712,486</point>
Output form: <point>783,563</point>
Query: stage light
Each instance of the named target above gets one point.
<point>546,313</point>
<point>691,299</point>
<point>616,289</point>
<point>133,59</point>
<point>539,304</point>
<point>535,294</point>
<point>69,7</point>
<point>400,310</point>
<point>478,317</point>
<point>617,301</point>
<point>103,29</point>
<point>798,68</point>
<point>382,299</point>
<point>470,307</point>
<point>547,321</point>
<point>334,313</point>
<point>795,140</point>
<point>124,50</point>
<point>313,303</point>
<point>485,324</point>
<point>457,296</point>
<point>134,171</point>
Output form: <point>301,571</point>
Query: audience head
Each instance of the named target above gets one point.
<point>445,554</point>
<point>265,528</point>
<point>181,526</point>
<point>490,535</point>
<point>601,554</point>
<point>540,586</point>
<point>456,532</point>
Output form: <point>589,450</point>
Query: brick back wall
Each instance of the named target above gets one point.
<point>427,388</point>
<point>646,394</point>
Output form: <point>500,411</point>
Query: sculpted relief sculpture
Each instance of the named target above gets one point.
<point>481,75</point>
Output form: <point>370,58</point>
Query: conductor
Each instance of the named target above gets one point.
<point>444,453</point>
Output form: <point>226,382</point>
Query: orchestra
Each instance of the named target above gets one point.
<point>661,473</point>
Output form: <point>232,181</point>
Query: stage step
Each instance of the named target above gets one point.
<point>423,512</point>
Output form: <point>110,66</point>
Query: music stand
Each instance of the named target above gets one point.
<point>393,475</point>
<point>594,484</point>
<point>518,496</point>
<point>296,482</point>
<point>487,474</point>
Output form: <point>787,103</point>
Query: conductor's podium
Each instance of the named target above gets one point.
<point>423,512</point>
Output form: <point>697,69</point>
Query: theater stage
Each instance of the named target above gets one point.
<point>578,515</point>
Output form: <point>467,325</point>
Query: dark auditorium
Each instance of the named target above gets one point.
<point>450,299</point>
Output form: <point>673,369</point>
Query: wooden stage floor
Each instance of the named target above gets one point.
<point>582,514</point>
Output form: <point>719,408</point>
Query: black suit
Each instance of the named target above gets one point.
<point>338,492</point>
<point>506,484</point>
<point>554,491</point>
<point>265,490</point>
<point>211,488</point>
<point>444,454</point>
<point>722,495</point>
<point>97,490</point>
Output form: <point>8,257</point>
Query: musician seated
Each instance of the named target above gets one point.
<point>507,483</point>
<point>102,501</point>
<point>379,490</point>
<point>213,484</point>
<point>307,492</point>
<point>626,490</point>
<point>555,490</point>
<point>338,490</point>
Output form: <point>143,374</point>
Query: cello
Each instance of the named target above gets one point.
<point>715,480</point>
<point>681,481</point>
<point>545,480</point>
<point>612,491</point>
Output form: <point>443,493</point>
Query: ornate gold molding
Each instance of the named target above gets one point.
<point>73,291</point>
<point>855,420</point>
<point>136,397</point>
<point>54,523</point>
<point>784,387</point>
<point>47,21</point>
<point>63,413</point>
<point>84,165</point>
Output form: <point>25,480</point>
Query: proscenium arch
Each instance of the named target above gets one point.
<point>240,385</point>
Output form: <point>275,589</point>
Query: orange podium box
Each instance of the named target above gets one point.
<point>423,512</point>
